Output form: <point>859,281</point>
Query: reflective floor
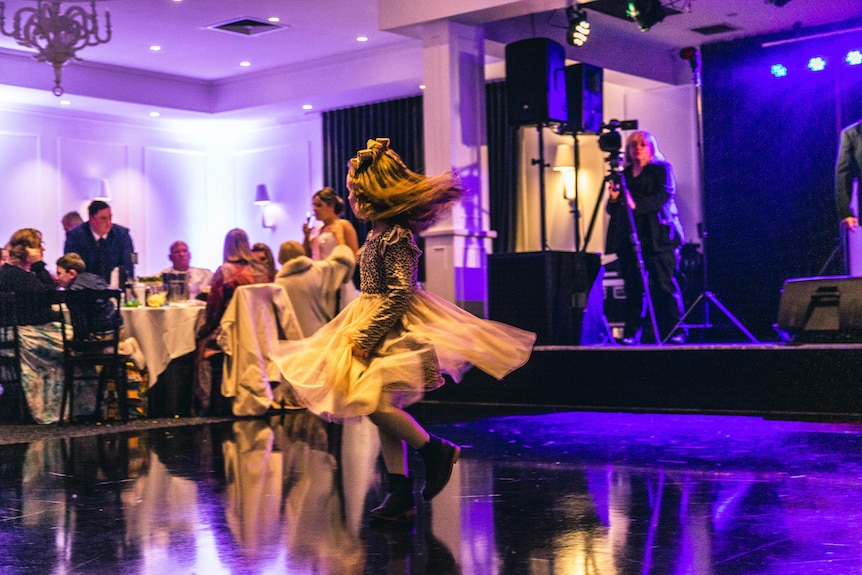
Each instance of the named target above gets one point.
<point>564,493</point>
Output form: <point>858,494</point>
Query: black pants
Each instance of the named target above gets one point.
<point>661,269</point>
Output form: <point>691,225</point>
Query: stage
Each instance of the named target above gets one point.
<point>772,379</point>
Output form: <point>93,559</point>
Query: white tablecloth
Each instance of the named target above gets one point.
<point>164,333</point>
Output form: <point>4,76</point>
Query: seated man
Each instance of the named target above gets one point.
<point>313,286</point>
<point>104,246</point>
<point>199,278</point>
<point>71,275</point>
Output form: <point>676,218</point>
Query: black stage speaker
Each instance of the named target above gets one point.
<point>824,309</point>
<point>535,82</point>
<point>584,97</point>
<point>549,293</point>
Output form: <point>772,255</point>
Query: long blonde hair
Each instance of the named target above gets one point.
<point>236,247</point>
<point>384,188</point>
<point>648,139</point>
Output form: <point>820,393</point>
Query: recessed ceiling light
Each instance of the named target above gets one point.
<point>65,103</point>
<point>155,48</point>
<point>362,38</point>
<point>245,64</point>
<point>154,114</point>
<point>274,19</point>
<point>421,86</point>
<point>307,106</point>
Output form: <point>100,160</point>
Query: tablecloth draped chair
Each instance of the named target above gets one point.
<point>13,404</point>
<point>256,319</point>
<point>91,347</point>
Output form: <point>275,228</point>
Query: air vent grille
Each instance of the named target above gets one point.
<point>714,29</point>
<point>246,27</point>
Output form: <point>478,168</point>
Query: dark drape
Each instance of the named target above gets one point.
<point>770,146</point>
<point>503,153</point>
<point>347,130</point>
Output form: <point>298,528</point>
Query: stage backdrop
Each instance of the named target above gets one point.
<point>771,126</point>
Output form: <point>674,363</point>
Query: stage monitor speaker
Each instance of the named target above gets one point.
<point>535,82</point>
<point>584,97</point>
<point>550,293</point>
<point>826,309</point>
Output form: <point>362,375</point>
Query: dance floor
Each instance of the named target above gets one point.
<point>534,493</point>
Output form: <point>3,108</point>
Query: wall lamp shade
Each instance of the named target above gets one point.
<point>103,193</point>
<point>261,196</point>
<point>564,158</point>
<point>565,164</point>
<point>56,34</point>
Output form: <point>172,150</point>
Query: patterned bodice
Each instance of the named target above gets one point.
<point>388,267</point>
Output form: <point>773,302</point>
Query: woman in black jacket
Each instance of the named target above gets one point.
<point>651,195</point>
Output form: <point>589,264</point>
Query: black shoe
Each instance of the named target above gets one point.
<point>398,506</point>
<point>440,455</point>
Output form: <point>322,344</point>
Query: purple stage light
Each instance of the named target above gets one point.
<point>817,64</point>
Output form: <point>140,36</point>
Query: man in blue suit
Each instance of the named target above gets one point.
<point>102,245</point>
<point>848,168</point>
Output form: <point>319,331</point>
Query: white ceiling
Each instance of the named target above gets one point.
<point>318,38</point>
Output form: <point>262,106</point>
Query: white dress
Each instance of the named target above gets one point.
<point>413,338</point>
<point>322,243</point>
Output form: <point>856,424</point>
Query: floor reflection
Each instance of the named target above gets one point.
<point>575,493</point>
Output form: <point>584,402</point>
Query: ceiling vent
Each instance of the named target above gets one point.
<point>247,27</point>
<point>715,29</point>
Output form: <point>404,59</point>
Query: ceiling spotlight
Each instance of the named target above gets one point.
<point>578,31</point>
<point>645,13</point>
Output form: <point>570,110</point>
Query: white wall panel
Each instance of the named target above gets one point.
<point>175,196</point>
<point>25,190</point>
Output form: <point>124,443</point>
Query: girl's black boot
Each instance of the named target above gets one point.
<point>440,456</point>
<point>398,506</point>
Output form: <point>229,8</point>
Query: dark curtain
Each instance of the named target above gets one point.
<point>770,146</point>
<point>346,131</point>
<point>502,168</point>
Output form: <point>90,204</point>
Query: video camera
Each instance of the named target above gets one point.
<point>610,139</point>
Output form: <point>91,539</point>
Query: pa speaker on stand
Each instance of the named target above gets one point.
<point>535,82</point>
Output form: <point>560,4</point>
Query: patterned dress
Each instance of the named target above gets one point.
<point>414,338</point>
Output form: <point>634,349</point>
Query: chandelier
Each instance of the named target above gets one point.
<point>55,34</point>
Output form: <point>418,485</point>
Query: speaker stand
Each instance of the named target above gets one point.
<point>540,161</point>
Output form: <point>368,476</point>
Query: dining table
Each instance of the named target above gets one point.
<point>166,335</point>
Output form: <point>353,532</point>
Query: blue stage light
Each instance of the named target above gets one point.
<point>854,57</point>
<point>817,64</point>
<point>779,71</point>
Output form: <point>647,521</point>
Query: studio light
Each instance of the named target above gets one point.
<point>646,13</point>
<point>578,31</point>
<point>57,35</point>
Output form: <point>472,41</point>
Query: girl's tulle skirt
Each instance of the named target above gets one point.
<point>432,339</point>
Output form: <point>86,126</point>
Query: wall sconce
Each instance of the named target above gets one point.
<point>261,198</point>
<point>565,164</point>
<point>104,191</point>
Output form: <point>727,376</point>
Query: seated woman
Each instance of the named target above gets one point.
<point>240,267</point>
<point>41,341</point>
<point>264,255</point>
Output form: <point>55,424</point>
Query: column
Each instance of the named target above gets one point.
<point>456,247</point>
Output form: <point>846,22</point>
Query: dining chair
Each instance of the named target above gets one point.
<point>13,405</point>
<point>91,347</point>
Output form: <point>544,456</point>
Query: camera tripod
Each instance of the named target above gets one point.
<point>705,296</point>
